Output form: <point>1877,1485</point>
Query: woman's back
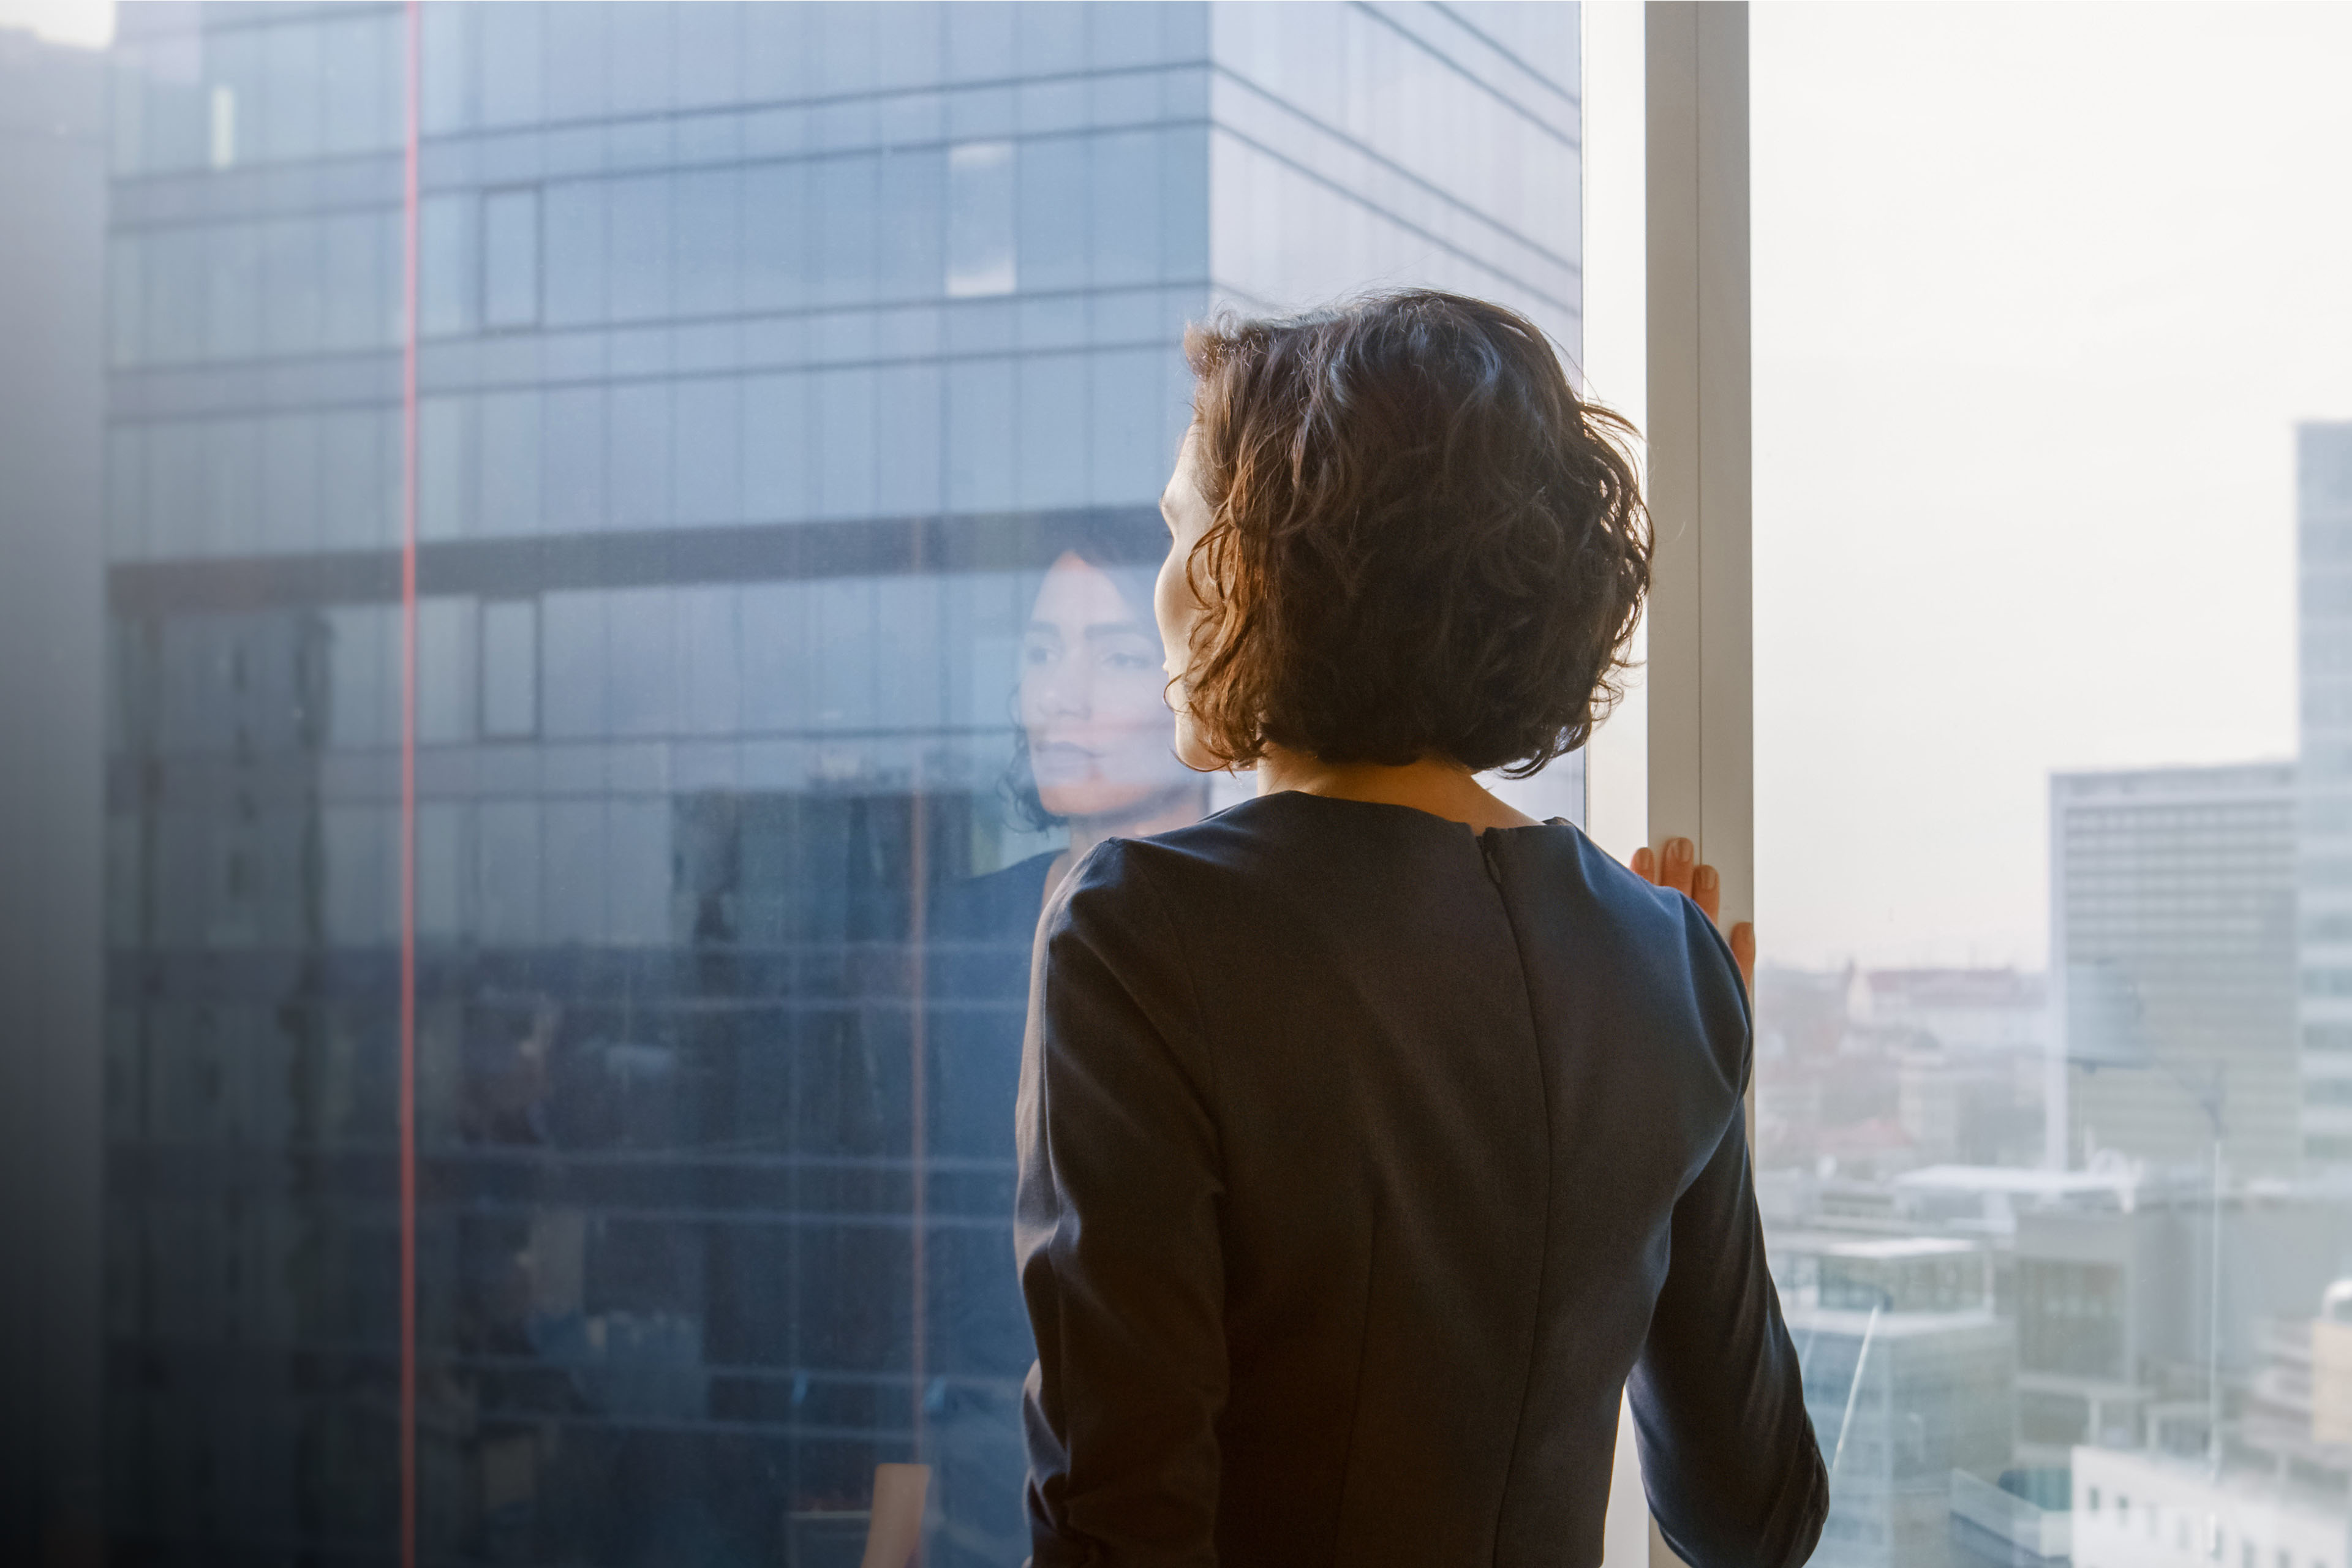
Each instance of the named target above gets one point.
<point>1364,1160</point>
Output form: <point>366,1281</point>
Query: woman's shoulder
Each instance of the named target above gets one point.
<point>1606,930</point>
<point>1318,857</point>
<point>995,903</point>
<point>1150,893</point>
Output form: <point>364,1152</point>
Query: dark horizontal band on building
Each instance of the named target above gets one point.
<point>949,544</point>
<point>961,1194</point>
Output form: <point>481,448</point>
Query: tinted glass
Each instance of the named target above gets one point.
<point>793,389</point>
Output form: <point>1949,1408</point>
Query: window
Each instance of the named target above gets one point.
<point>221,145</point>
<point>981,185</point>
<point>2094,1025</point>
<point>510,259</point>
<point>510,640</point>
<point>796,387</point>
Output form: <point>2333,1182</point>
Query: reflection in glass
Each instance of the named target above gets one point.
<point>796,384</point>
<point>980,219</point>
<point>1095,726</point>
<point>510,259</point>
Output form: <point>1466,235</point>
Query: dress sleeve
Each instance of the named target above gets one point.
<point>1734,1474</point>
<point>1117,1236</point>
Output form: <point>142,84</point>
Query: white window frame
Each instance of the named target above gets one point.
<point>1697,688</point>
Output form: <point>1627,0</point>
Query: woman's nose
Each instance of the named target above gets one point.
<point>1066,693</point>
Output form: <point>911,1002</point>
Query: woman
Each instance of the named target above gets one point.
<point>1097,737</point>
<point>1093,757</point>
<point>1373,1136</point>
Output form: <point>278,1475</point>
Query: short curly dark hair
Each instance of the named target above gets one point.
<point>1421,542</point>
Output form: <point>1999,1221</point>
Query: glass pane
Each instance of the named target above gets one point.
<point>794,388</point>
<point>510,258</point>
<point>981,182</point>
<point>2048,1094</point>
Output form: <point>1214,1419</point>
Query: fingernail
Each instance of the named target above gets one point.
<point>1707,875</point>
<point>1678,849</point>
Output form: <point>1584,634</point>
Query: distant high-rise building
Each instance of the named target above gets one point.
<point>2324,852</point>
<point>2172,950</point>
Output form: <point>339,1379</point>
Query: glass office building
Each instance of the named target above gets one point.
<point>2324,825</point>
<point>794,387</point>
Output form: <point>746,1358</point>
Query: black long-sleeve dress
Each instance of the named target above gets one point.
<point>1364,1160</point>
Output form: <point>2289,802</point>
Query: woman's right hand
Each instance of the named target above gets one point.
<point>1677,865</point>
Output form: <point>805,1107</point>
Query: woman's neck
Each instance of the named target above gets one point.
<point>1439,787</point>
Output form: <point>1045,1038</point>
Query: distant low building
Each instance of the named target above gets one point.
<point>2147,1509</point>
<point>1908,1374</point>
<point>1969,1047</point>
<point>2114,1311</point>
<point>1873,1072</point>
<point>1900,1400</point>
<point>2096,1296</point>
<point>2331,1366</point>
<point>1975,1011</point>
<point>2023,1520</point>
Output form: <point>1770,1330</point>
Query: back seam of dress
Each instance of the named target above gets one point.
<point>1543,1260</point>
<point>1356,1399</point>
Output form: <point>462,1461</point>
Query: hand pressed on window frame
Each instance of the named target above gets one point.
<point>1681,871</point>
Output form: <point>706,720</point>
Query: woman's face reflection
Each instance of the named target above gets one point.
<point>1092,697</point>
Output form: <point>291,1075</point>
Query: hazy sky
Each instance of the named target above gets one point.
<point>2039,292</point>
<point>86,22</point>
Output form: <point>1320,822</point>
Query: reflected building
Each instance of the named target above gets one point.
<point>2323,846</point>
<point>796,384</point>
<point>2173,955</point>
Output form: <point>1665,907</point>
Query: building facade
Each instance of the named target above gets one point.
<point>1900,1399</point>
<point>2324,851</point>
<point>2173,954</point>
<point>2147,1509</point>
<point>794,387</point>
